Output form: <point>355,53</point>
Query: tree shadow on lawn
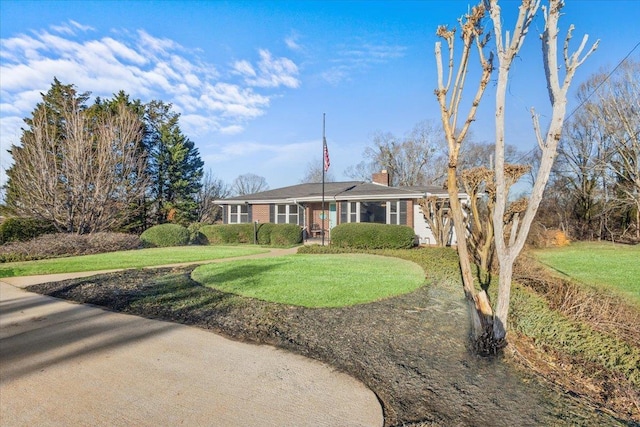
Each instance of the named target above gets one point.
<point>410,350</point>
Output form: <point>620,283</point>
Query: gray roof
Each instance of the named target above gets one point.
<point>346,190</point>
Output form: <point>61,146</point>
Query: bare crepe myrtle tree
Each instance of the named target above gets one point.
<point>449,94</point>
<point>508,45</point>
<point>435,210</point>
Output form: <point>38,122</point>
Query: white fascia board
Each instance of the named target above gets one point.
<point>254,202</point>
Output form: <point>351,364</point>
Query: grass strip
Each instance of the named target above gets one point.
<point>596,264</point>
<point>125,259</point>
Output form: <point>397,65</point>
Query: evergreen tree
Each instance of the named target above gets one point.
<point>136,213</point>
<point>174,166</point>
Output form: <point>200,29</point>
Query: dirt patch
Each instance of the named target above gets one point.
<point>410,350</point>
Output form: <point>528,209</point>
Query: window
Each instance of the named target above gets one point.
<point>293,214</point>
<point>373,212</point>
<point>287,214</point>
<point>353,211</point>
<point>393,212</point>
<point>238,214</point>
<point>397,212</point>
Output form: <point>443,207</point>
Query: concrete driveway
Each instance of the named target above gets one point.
<point>67,364</point>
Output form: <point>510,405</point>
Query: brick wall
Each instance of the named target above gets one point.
<point>261,213</point>
<point>410,204</point>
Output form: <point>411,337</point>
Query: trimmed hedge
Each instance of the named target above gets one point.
<point>21,229</point>
<point>366,235</point>
<point>267,234</point>
<point>165,235</point>
<point>286,234</point>
<point>264,233</point>
<point>228,234</point>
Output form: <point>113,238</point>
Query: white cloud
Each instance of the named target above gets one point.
<point>275,153</point>
<point>145,67</point>
<point>357,58</point>
<point>292,42</point>
<point>271,72</point>
<point>244,68</point>
<point>232,130</point>
<point>156,45</point>
<point>70,28</point>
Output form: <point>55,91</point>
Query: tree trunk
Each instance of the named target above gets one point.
<point>478,321</point>
<point>504,296</point>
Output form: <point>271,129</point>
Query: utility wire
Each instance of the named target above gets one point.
<point>592,92</point>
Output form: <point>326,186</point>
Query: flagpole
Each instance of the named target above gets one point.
<point>324,143</point>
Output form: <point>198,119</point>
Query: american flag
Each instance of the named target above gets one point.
<point>327,163</point>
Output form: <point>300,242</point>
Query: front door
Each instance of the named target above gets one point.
<point>333,217</point>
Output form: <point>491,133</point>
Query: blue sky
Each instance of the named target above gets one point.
<point>252,79</point>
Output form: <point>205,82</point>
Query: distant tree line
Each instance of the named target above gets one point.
<point>594,190</point>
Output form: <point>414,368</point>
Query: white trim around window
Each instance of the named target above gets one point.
<point>287,214</point>
<point>238,214</point>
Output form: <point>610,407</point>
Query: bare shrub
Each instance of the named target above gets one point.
<point>603,311</point>
<point>63,244</point>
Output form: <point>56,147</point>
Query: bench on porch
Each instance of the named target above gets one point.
<point>316,230</point>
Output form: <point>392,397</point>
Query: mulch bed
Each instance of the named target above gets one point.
<point>410,350</point>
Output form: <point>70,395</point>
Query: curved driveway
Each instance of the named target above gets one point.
<point>63,363</point>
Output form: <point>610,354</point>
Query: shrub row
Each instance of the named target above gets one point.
<point>372,236</point>
<point>266,234</point>
<point>165,235</point>
<point>22,229</point>
<point>63,244</point>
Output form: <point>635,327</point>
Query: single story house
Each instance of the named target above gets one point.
<point>350,201</point>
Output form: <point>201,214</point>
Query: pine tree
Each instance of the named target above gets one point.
<point>175,166</point>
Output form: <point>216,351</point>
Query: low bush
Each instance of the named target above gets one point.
<point>63,244</point>
<point>266,234</point>
<point>372,236</point>
<point>286,234</point>
<point>228,234</point>
<point>19,229</point>
<point>165,235</point>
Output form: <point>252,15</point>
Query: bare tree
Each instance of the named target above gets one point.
<point>580,168</point>
<point>363,171</point>
<point>249,183</point>
<point>509,245</point>
<point>449,94</point>
<point>616,110</point>
<point>409,160</point>
<point>314,172</point>
<point>212,189</point>
<point>436,212</point>
<point>478,184</point>
<point>480,154</point>
<point>84,175</point>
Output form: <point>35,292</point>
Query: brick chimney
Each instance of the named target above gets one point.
<point>381,177</point>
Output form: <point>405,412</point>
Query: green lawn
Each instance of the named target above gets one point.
<point>599,264</point>
<point>314,280</point>
<point>125,259</point>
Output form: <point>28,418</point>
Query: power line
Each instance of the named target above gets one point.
<point>604,81</point>
<point>592,92</point>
